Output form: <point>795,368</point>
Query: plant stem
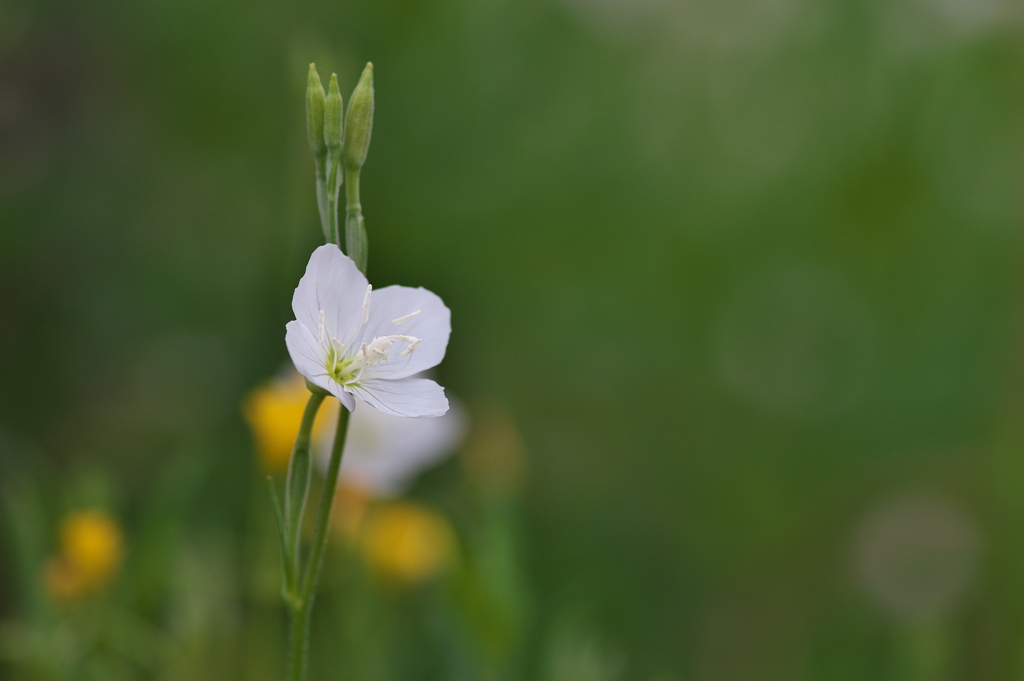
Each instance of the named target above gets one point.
<point>334,181</point>
<point>321,194</point>
<point>302,607</point>
<point>352,205</point>
<point>355,229</point>
<point>296,490</point>
<point>299,653</point>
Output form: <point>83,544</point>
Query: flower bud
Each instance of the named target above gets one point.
<point>315,112</point>
<point>359,122</point>
<point>333,131</point>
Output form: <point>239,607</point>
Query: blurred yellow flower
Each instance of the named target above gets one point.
<point>406,543</point>
<point>91,550</point>
<point>274,412</point>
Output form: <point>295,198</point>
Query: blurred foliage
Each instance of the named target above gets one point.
<point>745,273</point>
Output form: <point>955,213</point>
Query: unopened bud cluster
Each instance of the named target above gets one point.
<point>330,128</point>
<point>340,141</point>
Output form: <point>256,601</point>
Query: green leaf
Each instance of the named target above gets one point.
<point>286,552</point>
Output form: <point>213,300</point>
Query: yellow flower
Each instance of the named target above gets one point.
<point>274,412</point>
<point>91,550</point>
<point>406,543</point>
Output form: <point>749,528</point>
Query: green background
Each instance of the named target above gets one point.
<point>746,273</point>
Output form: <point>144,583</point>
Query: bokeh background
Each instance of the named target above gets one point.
<point>739,278</point>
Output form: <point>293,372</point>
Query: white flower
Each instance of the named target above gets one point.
<point>383,453</point>
<point>917,555</point>
<point>353,341</point>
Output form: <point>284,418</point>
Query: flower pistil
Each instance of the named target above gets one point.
<point>347,370</point>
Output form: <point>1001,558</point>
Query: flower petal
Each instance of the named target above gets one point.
<point>384,453</point>
<point>432,325</point>
<point>334,284</point>
<point>306,353</point>
<point>344,396</point>
<point>404,397</point>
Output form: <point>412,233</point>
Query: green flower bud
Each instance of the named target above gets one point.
<point>315,112</point>
<point>359,122</point>
<point>333,132</point>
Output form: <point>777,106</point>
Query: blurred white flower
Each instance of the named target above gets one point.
<point>576,653</point>
<point>384,453</point>
<point>353,341</point>
<point>970,17</point>
<point>916,556</point>
<point>616,18</point>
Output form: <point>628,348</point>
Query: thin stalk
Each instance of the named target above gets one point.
<point>299,653</point>
<point>356,245</point>
<point>334,181</point>
<point>302,607</point>
<point>321,194</point>
<point>296,490</point>
<point>353,208</point>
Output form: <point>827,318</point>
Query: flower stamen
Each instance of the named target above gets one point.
<point>366,304</point>
<point>377,350</point>
<point>412,346</point>
<point>403,320</point>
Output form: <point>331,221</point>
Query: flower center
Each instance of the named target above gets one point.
<point>347,369</point>
<point>342,369</point>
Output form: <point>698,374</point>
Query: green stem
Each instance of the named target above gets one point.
<point>334,181</point>
<point>296,490</point>
<point>299,643</point>
<point>352,205</point>
<point>302,607</point>
<point>321,194</point>
<point>355,229</point>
